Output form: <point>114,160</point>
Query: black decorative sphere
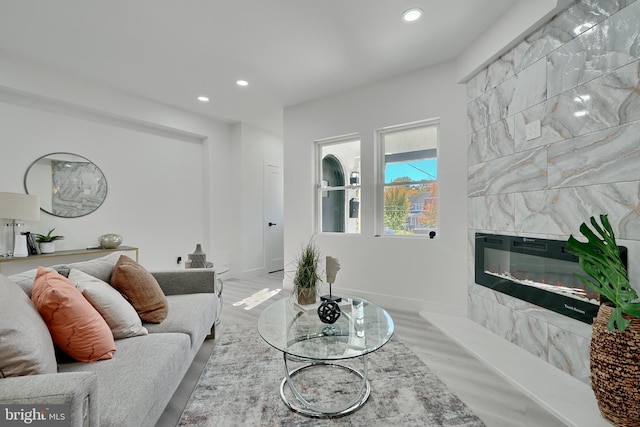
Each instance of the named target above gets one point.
<point>329,311</point>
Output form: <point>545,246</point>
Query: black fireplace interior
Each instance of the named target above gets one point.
<point>539,271</point>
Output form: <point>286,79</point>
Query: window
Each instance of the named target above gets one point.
<point>407,198</point>
<point>338,185</point>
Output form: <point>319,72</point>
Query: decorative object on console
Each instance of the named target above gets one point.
<point>47,241</point>
<point>332,265</point>
<point>110,241</point>
<point>69,186</point>
<point>198,259</point>
<point>307,277</point>
<point>33,247</point>
<point>615,340</point>
<point>329,310</point>
<point>16,206</point>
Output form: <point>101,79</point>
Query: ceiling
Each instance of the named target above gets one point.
<point>290,51</point>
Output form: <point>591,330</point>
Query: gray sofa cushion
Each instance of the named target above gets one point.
<point>98,267</point>
<point>26,347</point>
<point>25,280</point>
<point>191,314</point>
<point>136,385</point>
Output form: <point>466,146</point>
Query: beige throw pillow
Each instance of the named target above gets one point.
<point>141,289</point>
<point>122,318</point>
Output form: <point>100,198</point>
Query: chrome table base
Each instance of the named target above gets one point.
<point>305,407</point>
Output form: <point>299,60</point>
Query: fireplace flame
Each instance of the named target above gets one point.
<point>559,288</point>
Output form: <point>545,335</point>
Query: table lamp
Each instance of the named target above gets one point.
<point>15,206</point>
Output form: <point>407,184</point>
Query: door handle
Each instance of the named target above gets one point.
<point>271,224</point>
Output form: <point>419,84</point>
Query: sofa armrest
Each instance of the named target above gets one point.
<point>189,281</point>
<point>78,390</point>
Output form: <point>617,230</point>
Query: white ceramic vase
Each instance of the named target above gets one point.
<point>47,247</point>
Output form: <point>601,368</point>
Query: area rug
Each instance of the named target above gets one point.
<point>240,387</point>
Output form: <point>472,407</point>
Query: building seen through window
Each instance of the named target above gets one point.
<point>408,194</point>
<point>338,194</point>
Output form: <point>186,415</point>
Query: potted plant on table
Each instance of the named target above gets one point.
<point>47,241</point>
<point>307,277</point>
<point>615,341</point>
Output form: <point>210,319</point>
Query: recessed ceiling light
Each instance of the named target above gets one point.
<point>242,82</point>
<point>203,98</point>
<point>412,14</point>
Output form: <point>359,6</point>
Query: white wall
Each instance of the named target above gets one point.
<point>398,272</point>
<point>166,168</point>
<point>253,149</point>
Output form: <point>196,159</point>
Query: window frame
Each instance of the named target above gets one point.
<point>380,165</point>
<point>321,189</point>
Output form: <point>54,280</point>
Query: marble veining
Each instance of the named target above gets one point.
<point>530,87</point>
<point>529,333</point>
<point>605,102</point>
<point>493,316</point>
<point>563,28</point>
<point>603,48</point>
<point>579,74</point>
<point>492,212</point>
<point>570,353</point>
<point>491,142</point>
<point>561,211</point>
<point>608,156</point>
<point>524,171</point>
<point>497,72</point>
<point>492,106</point>
<point>560,30</point>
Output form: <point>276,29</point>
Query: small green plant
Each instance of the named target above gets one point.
<point>307,271</point>
<point>600,259</point>
<point>43,238</point>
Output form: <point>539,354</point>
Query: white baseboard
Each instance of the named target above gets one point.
<point>404,304</point>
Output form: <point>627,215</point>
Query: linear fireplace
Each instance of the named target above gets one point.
<point>539,271</point>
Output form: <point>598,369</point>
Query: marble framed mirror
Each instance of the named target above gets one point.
<point>69,185</point>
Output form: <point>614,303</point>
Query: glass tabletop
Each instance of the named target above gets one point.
<point>296,330</point>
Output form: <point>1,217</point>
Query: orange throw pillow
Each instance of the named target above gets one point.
<point>141,289</point>
<point>75,326</point>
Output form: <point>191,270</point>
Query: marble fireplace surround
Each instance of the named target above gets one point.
<point>579,75</point>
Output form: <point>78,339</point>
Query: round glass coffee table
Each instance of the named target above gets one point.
<point>325,384</point>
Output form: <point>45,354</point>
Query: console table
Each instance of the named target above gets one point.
<point>14,265</point>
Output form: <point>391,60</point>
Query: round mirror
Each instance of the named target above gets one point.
<point>68,185</point>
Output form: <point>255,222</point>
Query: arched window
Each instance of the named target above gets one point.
<point>333,217</point>
<point>338,183</point>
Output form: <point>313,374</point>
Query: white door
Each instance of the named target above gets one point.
<point>274,215</point>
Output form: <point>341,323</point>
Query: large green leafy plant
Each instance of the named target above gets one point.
<point>600,259</point>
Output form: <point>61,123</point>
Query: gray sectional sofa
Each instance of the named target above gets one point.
<point>134,387</point>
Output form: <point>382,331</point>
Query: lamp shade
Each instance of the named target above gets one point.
<point>19,206</point>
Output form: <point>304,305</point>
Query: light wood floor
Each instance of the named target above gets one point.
<point>489,396</point>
